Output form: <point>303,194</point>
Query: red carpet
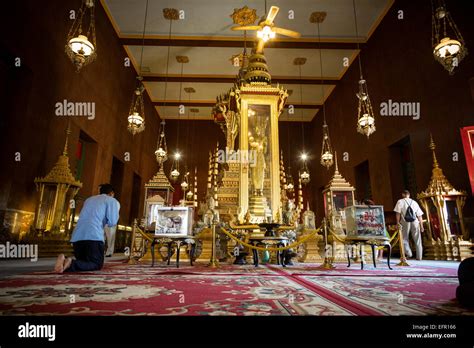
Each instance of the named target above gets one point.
<point>304,289</point>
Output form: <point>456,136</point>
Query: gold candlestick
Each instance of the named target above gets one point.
<point>213,262</point>
<point>327,263</point>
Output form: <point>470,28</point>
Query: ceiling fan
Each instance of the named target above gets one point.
<point>267,30</point>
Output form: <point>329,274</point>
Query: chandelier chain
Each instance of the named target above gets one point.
<point>143,37</point>
<point>321,72</point>
<point>357,38</point>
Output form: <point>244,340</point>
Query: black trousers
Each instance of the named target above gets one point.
<point>89,256</point>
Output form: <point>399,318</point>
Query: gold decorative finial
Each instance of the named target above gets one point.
<point>337,168</point>
<point>68,131</point>
<point>433,148</point>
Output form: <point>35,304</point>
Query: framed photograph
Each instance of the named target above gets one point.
<point>173,221</point>
<point>365,222</point>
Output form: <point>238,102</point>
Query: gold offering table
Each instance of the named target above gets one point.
<point>270,241</point>
<point>174,241</point>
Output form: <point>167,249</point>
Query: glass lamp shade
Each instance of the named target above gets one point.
<point>174,175</point>
<point>290,187</point>
<point>366,121</point>
<point>135,123</point>
<point>266,33</point>
<point>449,53</point>
<point>81,45</point>
<point>190,195</point>
<point>161,155</point>
<point>447,47</point>
<point>305,177</point>
<point>366,124</point>
<point>184,185</point>
<point>327,159</point>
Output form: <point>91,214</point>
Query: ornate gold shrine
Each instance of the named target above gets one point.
<point>446,237</point>
<point>158,193</point>
<point>249,114</point>
<point>56,203</point>
<point>337,195</point>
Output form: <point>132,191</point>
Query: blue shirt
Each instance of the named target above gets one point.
<point>97,212</point>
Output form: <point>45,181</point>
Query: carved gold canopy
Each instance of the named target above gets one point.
<point>439,185</point>
<point>159,180</point>
<point>338,182</point>
<point>61,172</point>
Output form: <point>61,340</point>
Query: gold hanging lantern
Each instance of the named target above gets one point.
<point>365,113</point>
<point>161,152</point>
<point>304,173</point>
<point>82,48</point>
<point>327,158</point>
<point>174,174</point>
<point>448,51</point>
<point>136,118</point>
<point>290,185</point>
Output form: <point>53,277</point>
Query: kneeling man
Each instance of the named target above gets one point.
<point>88,236</point>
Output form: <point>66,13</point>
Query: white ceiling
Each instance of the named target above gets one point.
<point>212,17</point>
<point>210,20</point>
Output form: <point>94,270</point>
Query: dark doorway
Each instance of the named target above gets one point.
<point>362,177</point>
<point>402,168</point>
<point>86,155</point>
<point>116,177</point>
<point>135,201</point>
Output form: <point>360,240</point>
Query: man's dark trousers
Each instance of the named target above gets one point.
<point>89,256</point>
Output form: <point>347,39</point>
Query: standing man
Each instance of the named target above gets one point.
<point>88,236</point>
<point>409,217</point>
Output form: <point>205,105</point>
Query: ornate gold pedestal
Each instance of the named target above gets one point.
<point>309,251</point>
<point>258,206</point>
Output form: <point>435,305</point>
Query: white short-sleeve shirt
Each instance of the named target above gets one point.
<point>402,206</point>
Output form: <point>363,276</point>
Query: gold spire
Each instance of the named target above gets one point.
<point>433,148</point>
<point>68,131</point>
<point>336,171</point>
